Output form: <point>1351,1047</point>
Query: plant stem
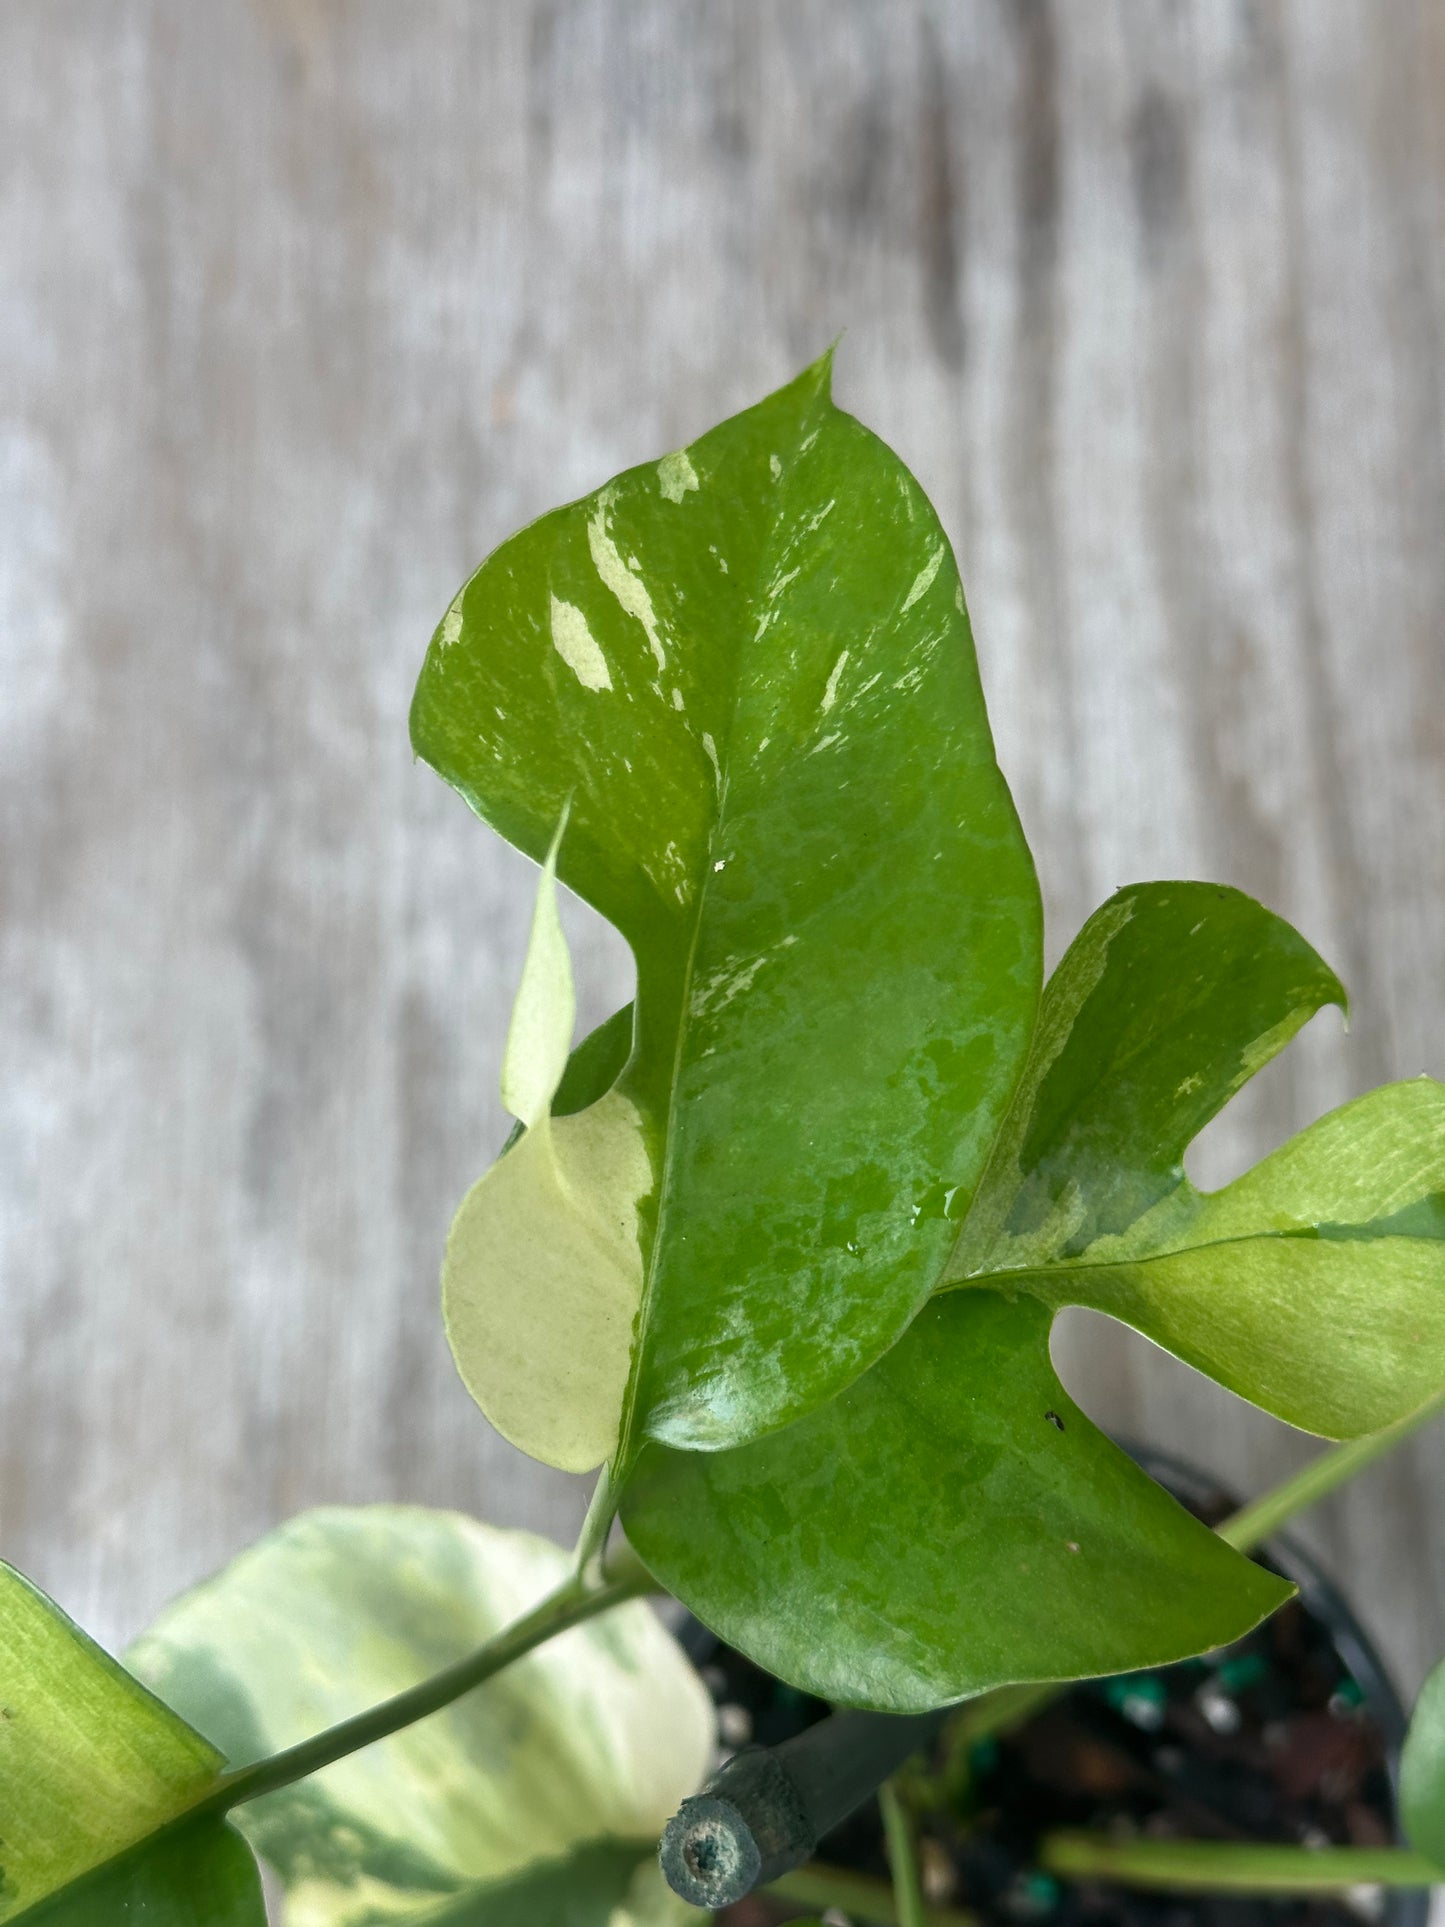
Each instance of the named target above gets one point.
<point>902,1856</point>
<point>574,1601</point>
<point>1225,1866</point>
<point>1263,1517</point>
<point>821,1886</point>
<point>601,1511</point>
<point>1009,1706</point>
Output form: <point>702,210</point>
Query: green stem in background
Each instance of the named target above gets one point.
<point>902,1856</point>
<point>575,1600</point>
<point>1010,1706</point>
<point>1263,1517</point>
<point>601,1511</point>
<point>820,1886</point>
<point>1229,1867</point>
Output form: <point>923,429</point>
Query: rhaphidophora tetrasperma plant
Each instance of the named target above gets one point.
<point>777,1248</point>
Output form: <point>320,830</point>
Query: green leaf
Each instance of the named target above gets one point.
<point>836,937</point>
<point>608,1884</point>
<point>595,1065</point>
<point>203,1876</point>
<point>750,670</point>
<point>1422,1772</point>
<point>90,1762</point>
<point>543,1269</point>
<point>590,1741</point>
<point>1314,1285</point>
<point>950,1523</point>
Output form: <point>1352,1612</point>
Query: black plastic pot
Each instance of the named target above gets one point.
<point>1325,1603</point>
<point>994,1875</point>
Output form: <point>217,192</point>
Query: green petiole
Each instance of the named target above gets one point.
<point>1230,1867</point>
<point>902,1856</point>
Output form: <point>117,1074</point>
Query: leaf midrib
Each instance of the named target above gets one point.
<point>627,1444</point>
<point>988,1278</point>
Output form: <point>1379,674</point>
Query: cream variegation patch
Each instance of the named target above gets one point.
<point>589,1742</point>
<point>543,1271</point>
<point>542,1280</point>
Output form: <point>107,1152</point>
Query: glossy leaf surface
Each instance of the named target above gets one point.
<point>90,1762</point>
<point>952,1522</point>
<point>1314,1285</point>
<point>1422,1772</point>
<point>591,1740</point>
<point>749,668</point>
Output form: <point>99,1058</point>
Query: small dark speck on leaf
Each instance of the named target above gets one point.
<point>1054,1420</point>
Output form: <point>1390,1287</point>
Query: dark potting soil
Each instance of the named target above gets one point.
<point>1275,1739</point>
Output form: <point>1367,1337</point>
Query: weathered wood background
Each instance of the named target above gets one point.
<point>306,305</point>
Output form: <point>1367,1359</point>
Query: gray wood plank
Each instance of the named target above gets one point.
<point>304,305</point>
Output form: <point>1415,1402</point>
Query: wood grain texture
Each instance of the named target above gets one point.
<point>303,306</point>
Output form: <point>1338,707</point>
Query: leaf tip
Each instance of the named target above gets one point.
<point>818,375</point>
<point>539,1037</point>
